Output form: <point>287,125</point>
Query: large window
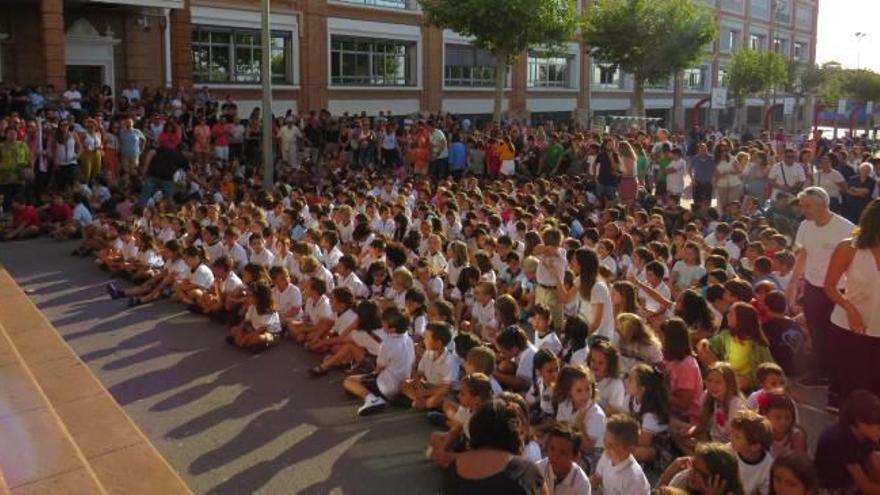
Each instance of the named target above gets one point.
<point>800,50</point>
<point>723,77</point>
<point>233,56</point>
<point>468,66</point>
<point>357,61</point>
<point>606,75</point>
<point>695,78</point>
<point>549,71</point>
<point>756,42</point>
<point>761,9</point>
<point>780,46</point>
<point>732,41</point>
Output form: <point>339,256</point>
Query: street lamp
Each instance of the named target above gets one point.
<point>859,36</point>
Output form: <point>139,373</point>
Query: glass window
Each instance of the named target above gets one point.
<point>232,55</point>
<point>756,42</point>
<point>358,61</point>
<point>732,42</point>
<point>737,6</point>
<point>761,9</point>
<point>800,50</point>
<point>549,71</point>
<point>722,77</point>
<point>468,66</point>
<point>780,46</point>
<point>782,10</point>
<point>605,75</point>
<point>694,78</point>
<point>804,17</point>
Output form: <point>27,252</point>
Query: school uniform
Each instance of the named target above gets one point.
<point>288,299</point>
<point>151,259</point>
<point>370,341</point>
<point>611,392</point>
<point>576,482</point>
<point>594,420</point>
<point>202,277</point>
<point>755,476</point>
<point>270,321</point>
<point>540,399</point>
<point>419,325</point>
<point>179,270</point>
<point>129,250</point>
<point>237,254</point>
<point>438,368</point>
<point>318,309</point>
<point>396,358</point>
<point>525,363</point>
<point>625,478</point>
<point>343,321</point>
<point>231,284</point>
<point>263,258</point>
<point>434,286</point>
<point>484,315</point>
<point>330,258</point>
<point>549,341</point>
<point>353,282</point>
<point>214,251</point>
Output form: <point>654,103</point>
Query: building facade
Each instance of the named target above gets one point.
<point>359,55</point>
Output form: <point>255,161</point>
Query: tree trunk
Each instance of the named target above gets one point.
<point>501,60</point>
<point>638,98</point>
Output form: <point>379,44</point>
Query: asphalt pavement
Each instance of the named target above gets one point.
<point>229,422</point>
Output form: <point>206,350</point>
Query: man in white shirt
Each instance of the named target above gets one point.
<point>73,98</point>
<point>787,176</point>
<point>289,136</point>
<point>816,239</point>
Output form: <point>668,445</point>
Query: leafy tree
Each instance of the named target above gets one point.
<point>650,39</point>
<point>863,85</point>
<point>831,87</point>
<point>506,28</point>
<point>752,73</point>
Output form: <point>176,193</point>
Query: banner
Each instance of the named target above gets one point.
<point>788,106</point>
<point>841,105</point>
<point>719,98</point>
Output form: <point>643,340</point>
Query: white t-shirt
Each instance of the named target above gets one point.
<point>180,270</point>
<point>755,477</point>
<point>81,215</point>
<point>439,369</point>
<point>263,258</point>
<point>550,341</point>
<point>550,266</point>
<point>687,274</point>
<point>594,420</point>
<point>626,478</point>
<point>675,177</point>
<point>317,310</point>
<point>784,175</point>
<point>396,358</point>
<point>344,321</point>
<point>232,284</point>
<point>290,298</point>
<point>484,315</point>
<point>819,243</point>
<point>576,482</point>
<point>611,392</point>
<point>202,276</point>
<point>829,182</point>
<point>525,363</point>
<point>599,295</point>
<point>733,180</point>
<point>358,288</point>
<point>270,321</point>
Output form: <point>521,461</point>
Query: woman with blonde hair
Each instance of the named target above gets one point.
<point>628,186</point>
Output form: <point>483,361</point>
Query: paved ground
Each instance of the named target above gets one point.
<point>229,422</point>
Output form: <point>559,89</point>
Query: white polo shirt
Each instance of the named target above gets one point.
<point>626,478</point>
<point>232,283</point>
<point>438,369</point>
<point>202,276</point>
<point>263,258</point>
<point>819,244</point>
<point>576,482</point>
<point>397,355</point>
<point>318,309</point>
<point>343,321</point>
<point>358,288</point>
<point>290,298</point>
<point>546,275</point>
<point>270,321</point>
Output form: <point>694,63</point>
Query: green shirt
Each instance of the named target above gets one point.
<point>553,155</point>
<point>662,163</point>
<point>14,158</point>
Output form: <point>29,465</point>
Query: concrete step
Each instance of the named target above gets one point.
<point>116,452</point>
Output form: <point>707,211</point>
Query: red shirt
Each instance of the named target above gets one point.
<point>25,216</point>
<point>60,213</point>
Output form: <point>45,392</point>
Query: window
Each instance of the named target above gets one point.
<point>388,4</point>
<point>468,66</point>
<point>694,78</point>
<point>780,46</point>
<point>549,71</point>
<point>733,41</point>
<point>662,85</point>
<point>761,9</point>
<point>756,42</point>
<point>804,17</point>
<point>605,75</point>
<point>800,50</point>
<point>782,10</point>
<point>356,61</point>
<point>722,77</point>
<point>232,55</point>
<point>733,5</point>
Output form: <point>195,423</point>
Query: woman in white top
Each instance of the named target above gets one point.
<point>831,181</point>
<point>727,175</point>
<point>92,146</point>
<point>595,298</point>
<point>855,320</point>
<point>65,155</point>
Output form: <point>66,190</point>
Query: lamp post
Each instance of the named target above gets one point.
<point>859,37</point>
<point>266,78</point>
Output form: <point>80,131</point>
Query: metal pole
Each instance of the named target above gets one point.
<point>266,77</point>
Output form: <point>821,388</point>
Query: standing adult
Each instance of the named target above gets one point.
<point>15,158</point>
<point>608,166</point>
<point>131,146</point>
<point>816,239</point>
<point>831,181</point>
<point>628,186</point>
<point>160,165</point>
<point>787,176</point>
<point>288,137</point>
<point>855,320</point>
<point>702,172</point>
<point>727,175</point>
<point>439,151</point>
<point>858,193</point>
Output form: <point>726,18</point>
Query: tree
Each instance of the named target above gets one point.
<point>751,73</point>
<point>863,85</point>
<point>650,39</point>
<point>506,28</point>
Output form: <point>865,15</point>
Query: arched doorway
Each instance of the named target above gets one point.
<point>89,55</point>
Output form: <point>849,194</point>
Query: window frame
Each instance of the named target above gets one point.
<point>455,83</point>
<point>232,48</point>
<point>409,56</point>
<point>537,60</point>
<point>600,68</point>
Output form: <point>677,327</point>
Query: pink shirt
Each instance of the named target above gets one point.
<point>221,133</point>
<point>685,375</point>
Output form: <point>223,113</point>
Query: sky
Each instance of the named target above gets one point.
<point>839,20</point>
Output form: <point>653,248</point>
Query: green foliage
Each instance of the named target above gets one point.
<point>862,85</point>
<point>506,27</point>
<point>753,72</point>
<point>651,39</point>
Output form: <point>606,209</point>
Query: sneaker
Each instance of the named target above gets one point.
<point>814,382</point>
<point>372,404</point>
<point>114,291</point>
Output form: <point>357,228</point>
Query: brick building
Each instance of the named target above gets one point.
<point>357,55</point>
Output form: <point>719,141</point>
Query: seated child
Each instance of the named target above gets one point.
<point>779,408</point>
<point>770,377</point>
<point>750,437</point>
<point>846,454</point>
<point>226,283</point>
<point>604,362</point>
<point>574,396</point>
<point>562,475</point>
<point>647,404</point>
<point>318,315</point>
<point>261,327</point>
<point>787,340</point>
<point>540,396</point>
<point>344,322</point>
<point>393,366</point>
<point>618,472</point>
<point>437,370</point>
<point>475,389</point>
<point>545,333</point>
<point>517,358</point>
<point>191,289</point>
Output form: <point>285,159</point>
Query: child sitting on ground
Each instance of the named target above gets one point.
<point>261,327</point>
<point>780,409</point>
<point>750,437</point>
<point>393,366</point>
<point>562,475</point>
<point>475,390</point>
<point>540,396</point>
<point>574,396</point>
<point>618,472</point>
<point>437,369</point>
